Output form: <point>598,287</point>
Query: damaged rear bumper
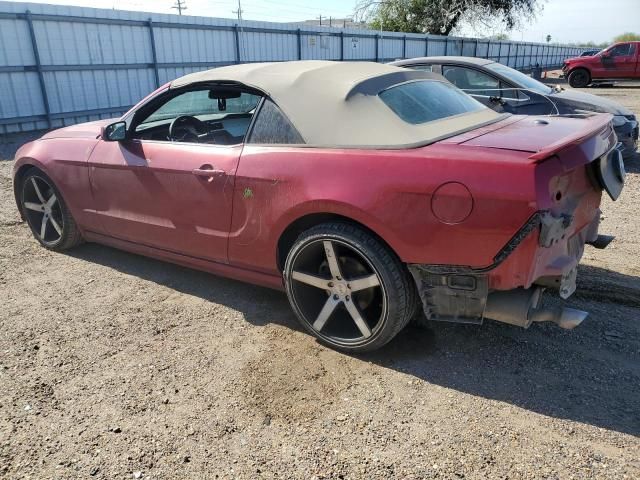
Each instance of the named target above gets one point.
<point>464,294</point>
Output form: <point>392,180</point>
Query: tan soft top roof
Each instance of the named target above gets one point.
<point>336,104</point>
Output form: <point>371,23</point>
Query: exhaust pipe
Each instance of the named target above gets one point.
<point>521,307</point>
<point>513,306</point>
<point>567,318</point>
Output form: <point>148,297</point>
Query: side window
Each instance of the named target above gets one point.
<point>273,127</point>
<point>424,68</point>
<point>510,93</point>
<point>622,50</point>
<point>218,115</point>
<point>475,82</point>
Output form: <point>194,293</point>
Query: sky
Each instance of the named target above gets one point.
<point>566,21</point>
<point>570,21</point>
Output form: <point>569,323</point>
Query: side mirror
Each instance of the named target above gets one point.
<point>115,132</point>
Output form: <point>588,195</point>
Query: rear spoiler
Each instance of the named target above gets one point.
<point>593,124</point>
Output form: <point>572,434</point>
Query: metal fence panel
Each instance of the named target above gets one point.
<point>61,65</point>
<point>361,48</point>
<point>16,46</point>
<point>390,49</point>
<point>71,43</point>
<point>196,45</point>
<point>20,95</point>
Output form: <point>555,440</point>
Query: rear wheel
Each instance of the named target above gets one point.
<point>46,213</point>
<point>579,78</point>
<point>347,288</point>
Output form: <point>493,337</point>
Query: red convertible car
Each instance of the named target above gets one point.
<point>363,190</point>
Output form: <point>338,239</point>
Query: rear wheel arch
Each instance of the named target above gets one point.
<point>291,233</point>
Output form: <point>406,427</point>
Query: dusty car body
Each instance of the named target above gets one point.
<point>358,188</point>
<point>507,90</point>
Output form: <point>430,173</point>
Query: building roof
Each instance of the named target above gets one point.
<point>336,103</point>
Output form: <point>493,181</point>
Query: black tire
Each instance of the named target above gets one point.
<point>61,230</point>
<point>579,78</point>
<point>385,308</point>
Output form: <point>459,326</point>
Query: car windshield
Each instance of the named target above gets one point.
<point>428,100</point>
<point>198,103</point>
<point>520,79</point>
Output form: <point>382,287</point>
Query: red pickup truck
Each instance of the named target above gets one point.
<point>617,62</point>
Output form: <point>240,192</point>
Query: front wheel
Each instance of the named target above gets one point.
<point>46,212</point>
<point>347,288</point>
<point>579,78</point>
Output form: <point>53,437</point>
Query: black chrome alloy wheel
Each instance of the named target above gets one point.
<point>46,213</point>
<point>346,288</point>
<point>42,210</point>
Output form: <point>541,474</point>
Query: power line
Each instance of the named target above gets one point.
<point>288,8</point>
<point>295,6</point>
<point>180,5</point>
<point>257,12</point>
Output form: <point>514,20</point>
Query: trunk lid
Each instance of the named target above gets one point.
<point>542,136</point>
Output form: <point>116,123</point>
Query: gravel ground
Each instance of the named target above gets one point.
<point>115,366</point>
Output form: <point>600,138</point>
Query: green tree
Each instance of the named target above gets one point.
<point>591,44</point>
<point>627,37</point>
<point>440,16</point>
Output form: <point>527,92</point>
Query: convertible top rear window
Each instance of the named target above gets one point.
<point>428,100</point>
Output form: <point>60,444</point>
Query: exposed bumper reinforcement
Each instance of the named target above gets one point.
<point>458,293</point>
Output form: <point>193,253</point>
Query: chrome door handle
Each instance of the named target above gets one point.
<point>208,171</point>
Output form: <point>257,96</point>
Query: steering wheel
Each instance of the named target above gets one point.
<point>186,128</point>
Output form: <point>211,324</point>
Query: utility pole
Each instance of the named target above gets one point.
<point>240,39</point>
<point>238,11</point>
<point>180,6</point>
<point>320,20</point>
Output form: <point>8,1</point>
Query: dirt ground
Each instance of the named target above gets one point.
<point>115,366</point>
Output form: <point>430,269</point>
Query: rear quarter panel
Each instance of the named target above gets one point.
<point>389,191</point>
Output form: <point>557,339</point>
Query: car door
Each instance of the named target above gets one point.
<point>485,88</point>
<point>174,191</point>
<point>619,61</point>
